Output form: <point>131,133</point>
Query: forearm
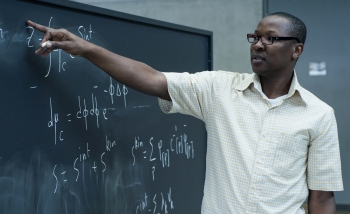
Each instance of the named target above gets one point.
<point>131,73</point>
<point>321,202</point>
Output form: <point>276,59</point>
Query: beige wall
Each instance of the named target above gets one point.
<point>230,21</point>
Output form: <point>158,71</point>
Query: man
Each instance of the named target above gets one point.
<point>271,143</point>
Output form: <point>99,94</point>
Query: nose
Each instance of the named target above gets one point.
<point>258,46</point>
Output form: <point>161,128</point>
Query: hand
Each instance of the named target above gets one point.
<point>59,38</point>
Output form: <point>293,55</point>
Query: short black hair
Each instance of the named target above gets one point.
<point>297,27</point>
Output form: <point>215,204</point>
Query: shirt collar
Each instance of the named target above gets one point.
<point>294,87</point>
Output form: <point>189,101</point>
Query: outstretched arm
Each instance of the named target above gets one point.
<point>321,202</point>
<point>131,73</point>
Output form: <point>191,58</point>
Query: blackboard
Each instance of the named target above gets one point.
<point>73,140</point>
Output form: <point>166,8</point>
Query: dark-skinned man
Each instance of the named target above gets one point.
<point>271,143</point>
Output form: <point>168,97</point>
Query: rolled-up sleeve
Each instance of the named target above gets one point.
<point>324,166</point>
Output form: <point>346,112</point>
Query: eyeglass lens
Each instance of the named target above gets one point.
<point>255,38</point>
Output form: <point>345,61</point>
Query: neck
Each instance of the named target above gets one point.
<point>274,87</point>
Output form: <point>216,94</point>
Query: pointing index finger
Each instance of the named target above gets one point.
<point>38,27</point>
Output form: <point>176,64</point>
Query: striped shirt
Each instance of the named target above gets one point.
<point>261,158</point>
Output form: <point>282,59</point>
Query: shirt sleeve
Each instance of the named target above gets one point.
<point>190,94</point>
<point>324,166</point>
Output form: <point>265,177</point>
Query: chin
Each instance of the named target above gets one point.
<point>260,72</point>
<point>257,71</point>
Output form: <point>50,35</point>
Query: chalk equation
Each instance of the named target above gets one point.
<point>177,145</point>
<point>116,90</point>
<point>85,109</point>
<point>84,165</point>
<point>83,160</point>
<point>62,65</point>
<point>93,111</point>
<point>157,204</point>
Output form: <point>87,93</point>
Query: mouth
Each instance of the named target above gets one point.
<point>257,57</point>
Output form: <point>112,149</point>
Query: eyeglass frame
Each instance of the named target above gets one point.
<point>273,38</point>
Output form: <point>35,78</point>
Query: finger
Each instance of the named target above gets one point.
<point>38,27</point>
<point>46,52</point>
<point>43,29</point>
<point>40,50</point>
<point>43,46</point>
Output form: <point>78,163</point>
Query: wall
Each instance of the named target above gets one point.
<point>230,21</point>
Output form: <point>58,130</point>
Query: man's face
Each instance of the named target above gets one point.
<point>275,59</point>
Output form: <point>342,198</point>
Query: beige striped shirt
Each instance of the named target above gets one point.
<point>260,158</point>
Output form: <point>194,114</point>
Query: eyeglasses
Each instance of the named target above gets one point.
<point>267,40</point>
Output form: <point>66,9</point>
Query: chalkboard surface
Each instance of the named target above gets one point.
<point>73,140</point>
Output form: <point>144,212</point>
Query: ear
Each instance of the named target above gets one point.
<point>298,50</point>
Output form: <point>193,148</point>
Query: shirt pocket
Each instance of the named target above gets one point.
<point>290,155</point>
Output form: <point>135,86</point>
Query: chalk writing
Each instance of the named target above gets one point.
<point>53,122</point>
<point>111,89</point>
<point>55,178</point>
<point>48,71</point>
<point>29,38</point>
<point>62,65</point>
<point>84,112</point>
<point>178,145</point>
<point>150,157</point>
<point>116,90</point>
<point>103,162</point>
<point>163,206</point>
<point>125,92</point>
<point>83,155</point>
<point>110,144</point>
<point>85,35</point>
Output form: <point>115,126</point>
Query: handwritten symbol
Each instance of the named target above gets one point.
<point>111,89</point>
<point>76,169</point>
<point>61,139</point>
<point>61,65</point>
<point>103,162</point>
<point>85,114</point>
<point>153,169</point>
<point>55,178</point>
<point>51,122</point>
<point>125,92</point>
<point>48,71</point>
<point>29,38</point>
<point>150,157</point>
<point>84,35</point>
<point>94,167</point>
